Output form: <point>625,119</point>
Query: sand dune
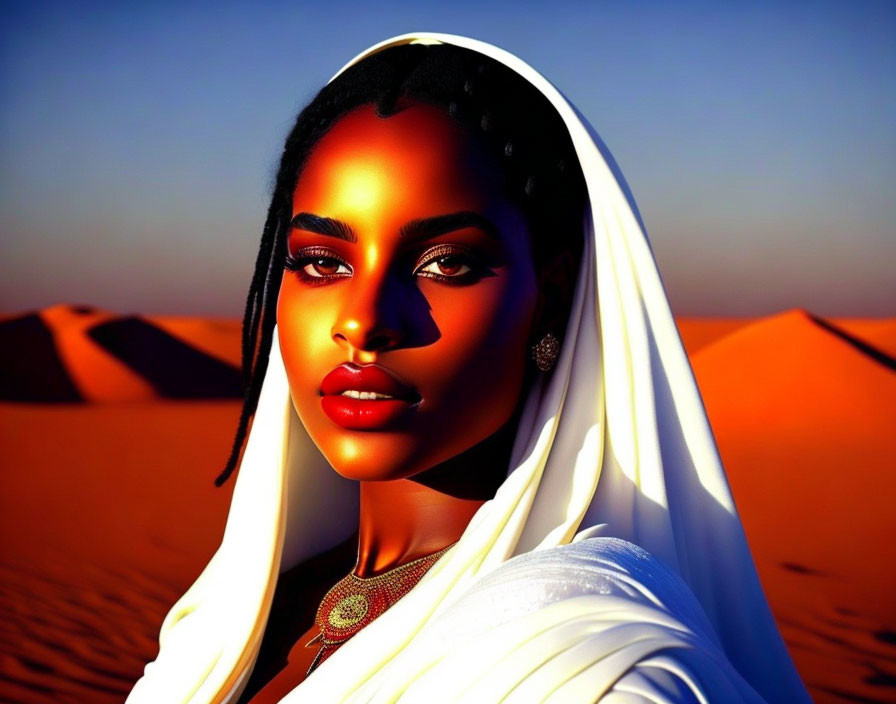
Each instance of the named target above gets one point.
<point>697,333</point>
<point>806,425</point>
<point>99,376</point>
<point>878,333</point>
<point>79,353</point>
<point>218,338</point>
<point>97,544</point>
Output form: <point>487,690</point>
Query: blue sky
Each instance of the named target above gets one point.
<point>137,143</point>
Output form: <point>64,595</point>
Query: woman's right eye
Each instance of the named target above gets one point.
<point>317,266</point>
<point>325,266</point>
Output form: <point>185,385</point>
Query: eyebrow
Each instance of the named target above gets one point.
<point>324,226</point>
<point>440,224</point>
<point>422,228</point>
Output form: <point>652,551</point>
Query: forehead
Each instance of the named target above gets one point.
<point>417,127</point>
<point>417,159</point>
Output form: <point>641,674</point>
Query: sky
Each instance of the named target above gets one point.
<point>138,141</point>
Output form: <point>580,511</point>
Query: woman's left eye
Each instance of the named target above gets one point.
<point>450,265</point>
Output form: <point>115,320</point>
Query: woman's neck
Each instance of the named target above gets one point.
<point>402,520</point>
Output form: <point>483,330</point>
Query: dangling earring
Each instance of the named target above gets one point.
<point>545,352</point>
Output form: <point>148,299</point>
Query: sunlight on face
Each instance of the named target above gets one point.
<point>408,296</point>
<point>360,189</point>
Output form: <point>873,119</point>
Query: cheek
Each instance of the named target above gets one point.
<point>304,324</point>
<point>485,329</point>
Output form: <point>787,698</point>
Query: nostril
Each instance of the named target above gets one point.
<point>378,342</point>
<point>340,340</point>
<point>364,336</point>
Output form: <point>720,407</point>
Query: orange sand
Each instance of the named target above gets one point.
<point>218,338</point>
<point>806,425</point>
<point>697,333</point>
<point>877,333</point>
<point>99,376</point>
<point>97,546</point>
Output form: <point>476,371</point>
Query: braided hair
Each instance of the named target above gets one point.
<point>515,121</point>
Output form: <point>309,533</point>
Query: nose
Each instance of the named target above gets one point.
<point>370,321</point>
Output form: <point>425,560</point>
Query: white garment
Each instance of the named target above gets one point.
<point>628,624</point>
<point>616,444</point>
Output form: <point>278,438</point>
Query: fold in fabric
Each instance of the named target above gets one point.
<point>615,444</point>
<point>600,618</point>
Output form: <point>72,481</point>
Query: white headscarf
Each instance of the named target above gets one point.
<point>617,443</point>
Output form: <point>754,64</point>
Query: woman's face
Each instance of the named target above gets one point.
<point>409,294</point>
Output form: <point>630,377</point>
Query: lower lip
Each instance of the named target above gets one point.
<point>355,414</point>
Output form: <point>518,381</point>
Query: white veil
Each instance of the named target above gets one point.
<point>616,444</point>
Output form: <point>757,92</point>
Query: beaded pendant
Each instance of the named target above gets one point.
<point>354,602</point>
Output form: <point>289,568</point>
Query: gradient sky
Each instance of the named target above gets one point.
<point>138,142</point>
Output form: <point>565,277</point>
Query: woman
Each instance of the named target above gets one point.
<point>553,530</point>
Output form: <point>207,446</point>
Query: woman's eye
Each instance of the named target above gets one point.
<point>317,267</point>
<point>325,266</point>
<point>448,265</point>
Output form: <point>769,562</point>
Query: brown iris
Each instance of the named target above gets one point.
<point>450,265</point>
<point>325,266</point>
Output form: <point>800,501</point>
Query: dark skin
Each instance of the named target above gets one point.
<point>408,256</point>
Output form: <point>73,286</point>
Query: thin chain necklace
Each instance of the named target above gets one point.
<point>353,602</point>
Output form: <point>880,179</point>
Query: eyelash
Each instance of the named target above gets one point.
<point>309,255</point>
<point>477,268</point>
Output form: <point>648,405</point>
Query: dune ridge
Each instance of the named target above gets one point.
<point>97,356</point>
<point>109,510</point>
<point>805,421</point>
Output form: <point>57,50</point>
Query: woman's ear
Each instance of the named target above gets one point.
<point>556,281</point>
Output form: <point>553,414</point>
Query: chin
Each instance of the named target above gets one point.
<point>371,457</point>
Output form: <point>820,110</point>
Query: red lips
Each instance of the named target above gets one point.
<point>365,413</point>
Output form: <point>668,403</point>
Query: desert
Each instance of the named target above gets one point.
<point>103,415</point>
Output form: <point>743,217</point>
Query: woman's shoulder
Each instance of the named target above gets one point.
<point>591,563</point>
<point>602,566</point>
<point>596,618</point>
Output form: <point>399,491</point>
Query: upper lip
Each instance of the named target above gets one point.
<point>370,377</point>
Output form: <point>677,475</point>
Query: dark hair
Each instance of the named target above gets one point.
<point>517,123</point>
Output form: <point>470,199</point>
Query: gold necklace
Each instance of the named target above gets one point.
<point>353,602</point>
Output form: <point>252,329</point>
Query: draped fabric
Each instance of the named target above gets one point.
<point>615,444</point>
<point>598,618</point>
